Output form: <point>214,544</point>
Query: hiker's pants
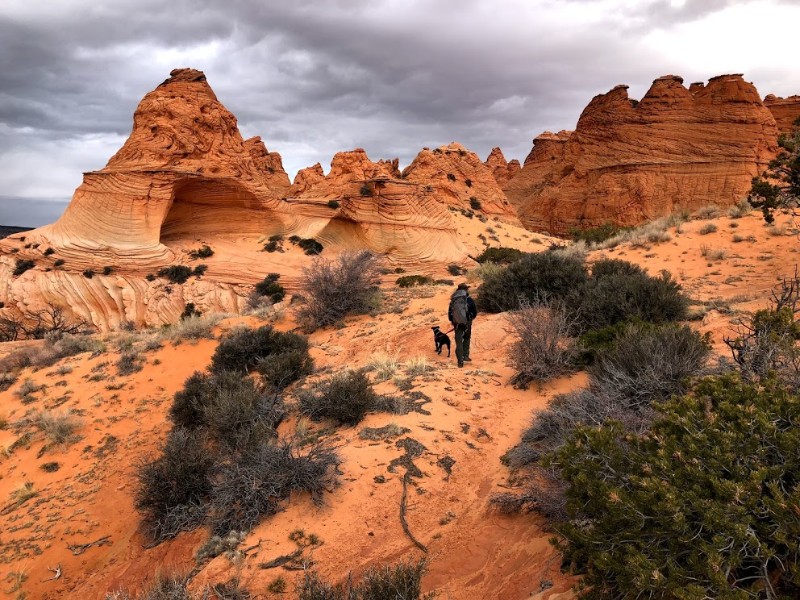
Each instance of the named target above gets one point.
<point>463,334</point>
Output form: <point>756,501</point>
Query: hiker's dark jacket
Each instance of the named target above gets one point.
<point>472,310</point>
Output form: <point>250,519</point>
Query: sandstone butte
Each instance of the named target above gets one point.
<point>629,161</point>
<point>186,177</point>
<point>785,110</point>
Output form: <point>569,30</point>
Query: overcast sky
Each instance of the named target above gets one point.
<point>391,76</point>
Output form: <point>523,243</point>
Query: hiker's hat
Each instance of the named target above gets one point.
<point>463,286</point>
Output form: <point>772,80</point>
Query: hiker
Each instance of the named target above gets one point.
<point>461,312</point>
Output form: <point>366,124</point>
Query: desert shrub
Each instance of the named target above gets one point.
<point>742,208</point>
<point>243,349</point>
<point>252,487</point>
<point>702,504</point>
<point>88,273</point>
<point>474,203</point>
<point>129,362</point>
<point>455,270</point>
<point>59,262</point>
<point>310,246</point>
<point>708,228</point>
<point>333,289</point>
<point>163,587</point>
<point>204,251</point>
<point>333,204</point>
<point>768,342</point>
<point>270,288</point>
<point>200,270</point>
<point>451,177</point>
<point>500,255</point>
<point>648,364</point>
<point>49,252</point>
<point>189,311</point>
<point>172,489</point>
<point>231,408</point>
<point>21,266</point>
<point>618,291</point>
<point>596,235</point>
<point>148,277</point>
<point>192,328</point>
<point>60,429</point>
<point>107,270</point>
<point>366,190</point>
<point>544,348</point>
<point>399,581</point>
<point>546,276</point>
<point>272,247</point>
<point>407,281</point>
<point>346,398</point>
<point>175,273</point>
<point>284,368</point>
<point>645,364</point>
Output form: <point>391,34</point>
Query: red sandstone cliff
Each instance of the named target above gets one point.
<point>500,168</point>
<point>785,110</point>
<point>629,161</point>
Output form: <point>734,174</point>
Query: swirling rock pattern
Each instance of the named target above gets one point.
<point>630,161</point>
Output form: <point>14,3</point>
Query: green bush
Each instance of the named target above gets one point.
<point>500,255</point>
<point>701,506</point>
<point>543,277</point>
<point>200,270</point>
<point>175,273</point>
<point>310,246</point>
<point>243,349</point>
<point>189,311</point>
<point>596,235</point>
<point>204,251</point>
<point>270,288</point>
<point>620,291</point>
<point>21,266</point>
<point>346,398</point>
<point>407,281</point>
<point>474,203</point>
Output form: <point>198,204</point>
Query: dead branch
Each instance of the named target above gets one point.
<point>78,549</point>
<point>403,521</point>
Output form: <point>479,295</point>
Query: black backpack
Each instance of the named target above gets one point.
<point>460,310</point>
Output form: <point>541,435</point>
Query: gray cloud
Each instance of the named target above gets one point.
<point>313,78</point>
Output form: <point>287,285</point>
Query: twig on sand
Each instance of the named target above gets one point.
<point>403,521</point>
<point>78,549</point>
<point>56,573</point>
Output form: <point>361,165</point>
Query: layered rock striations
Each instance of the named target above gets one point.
<point>630,161</point>
<point>367,204</point>
<point>185,169</point>
<point>785,110</point>
<point>459,179</point>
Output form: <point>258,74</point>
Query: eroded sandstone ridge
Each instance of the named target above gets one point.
<point>630,161</point>
<point>186,178</point>
<point>785,110</point>
<point>501,169</point>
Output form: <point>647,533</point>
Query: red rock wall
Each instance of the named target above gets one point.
<point>630,161</point>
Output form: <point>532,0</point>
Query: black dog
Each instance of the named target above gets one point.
<point>440,339</point>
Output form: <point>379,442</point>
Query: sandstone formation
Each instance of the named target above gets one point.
<point>459,179</point>
<point>184,170</point>
<point>630,161</point>
<point>785,110</point>
<point>365,203</point>
<point>501,169</point>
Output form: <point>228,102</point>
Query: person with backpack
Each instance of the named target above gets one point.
<point>461,312</point>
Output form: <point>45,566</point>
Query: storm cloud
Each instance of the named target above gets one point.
<point>313,78</point>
